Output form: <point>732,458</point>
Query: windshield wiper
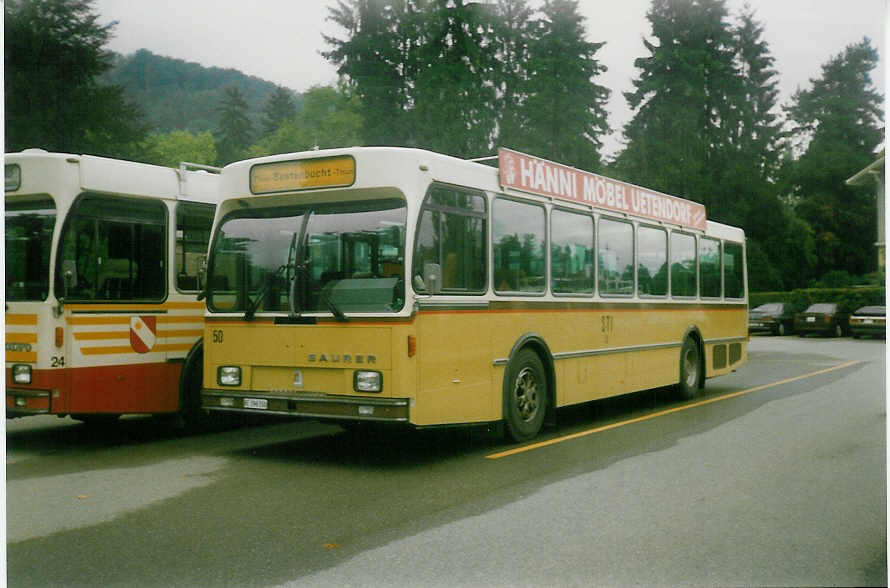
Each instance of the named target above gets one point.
<point>301,272</point>
<point>335,310</point>
<point>255,303</point>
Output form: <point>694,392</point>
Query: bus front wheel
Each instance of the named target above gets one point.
<point>690,370</point>
<point>525,402</point>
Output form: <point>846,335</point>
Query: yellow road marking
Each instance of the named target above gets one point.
<point>653,415</point>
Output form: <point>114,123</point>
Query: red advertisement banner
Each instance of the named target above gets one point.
<point>546,178</point>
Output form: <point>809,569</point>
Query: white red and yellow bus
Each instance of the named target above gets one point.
<point>103,268</point>
<point>400,285</point>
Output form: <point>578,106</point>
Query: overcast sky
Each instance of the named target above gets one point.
<point>280,40</point>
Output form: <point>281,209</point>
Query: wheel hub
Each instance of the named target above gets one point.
<point>526,393</point>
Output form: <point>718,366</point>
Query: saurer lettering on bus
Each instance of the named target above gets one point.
<point>364,358</point>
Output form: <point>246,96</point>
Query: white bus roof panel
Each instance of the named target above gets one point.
<point>99,174</point>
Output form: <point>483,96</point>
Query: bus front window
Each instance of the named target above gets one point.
<point>349,256</point>
<point>29,235</point>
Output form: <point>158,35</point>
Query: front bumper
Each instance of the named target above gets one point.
<point>22,402</point>
<point>323,406</point>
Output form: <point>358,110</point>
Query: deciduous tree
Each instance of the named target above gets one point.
<point>172,148</point>
<point>329,118</point>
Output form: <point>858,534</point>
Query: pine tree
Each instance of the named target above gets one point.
<point>839,117</point>
<point>53,58</point>
<point>752,168</point>
<point>510,35</point>
<point>372,60</point>
<point>453,96</point>
<point>678,138</point>
<point>565,109</point>
<point>235,128</point>
<point>279,107</point>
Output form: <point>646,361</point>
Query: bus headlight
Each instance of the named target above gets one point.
<point>21,373</point>
<point>228,375</point>
<point>364,381</point>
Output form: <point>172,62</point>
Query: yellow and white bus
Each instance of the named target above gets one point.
<point>103,264</point>
<point>400,285</point>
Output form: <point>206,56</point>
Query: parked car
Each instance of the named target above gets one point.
<point>824,318</point>
<point>774,317</point>
<point>869,320</point>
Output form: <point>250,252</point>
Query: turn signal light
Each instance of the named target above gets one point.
<point>412,345</point>
<point>60,336</point>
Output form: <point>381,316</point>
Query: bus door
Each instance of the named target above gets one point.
<point>112,269</point>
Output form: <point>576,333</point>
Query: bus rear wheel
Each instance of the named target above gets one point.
<point>525,402</point>
<point>690,370</point>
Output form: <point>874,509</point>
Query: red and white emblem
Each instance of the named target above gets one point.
<point>143,333</point>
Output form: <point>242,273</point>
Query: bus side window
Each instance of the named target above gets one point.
<point>118,245</point>
<point>451,235</point>
<point>651,261</point>
<point>193,221</point>
<point>571,253</point>
<point>519,246</point>
<point>709,267</point>
<point>683,282</point>
<point>733,270</point>
<point>615,257</point>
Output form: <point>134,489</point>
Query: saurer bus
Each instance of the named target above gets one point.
<point>404,286</point>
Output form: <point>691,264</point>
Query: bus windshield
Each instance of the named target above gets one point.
<point>320,258</point>
<point>29,235</point>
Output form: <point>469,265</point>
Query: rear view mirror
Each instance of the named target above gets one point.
<point>69,274</point>
<point>432,277</point>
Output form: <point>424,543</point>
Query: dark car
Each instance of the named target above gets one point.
<point>774,317</point>
<point>869,320</point>
<point>823,318</point>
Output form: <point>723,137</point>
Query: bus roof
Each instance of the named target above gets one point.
<point>39,169</point>
<point>376,166</point>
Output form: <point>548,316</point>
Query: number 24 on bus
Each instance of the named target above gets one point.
<point>404,286</point>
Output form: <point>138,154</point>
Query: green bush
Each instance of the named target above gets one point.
<point>848,299</point>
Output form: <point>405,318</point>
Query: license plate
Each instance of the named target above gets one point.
<point>868,322</point>
<point>260,403</point>
<point>811,319</point>
<point>756,325</point>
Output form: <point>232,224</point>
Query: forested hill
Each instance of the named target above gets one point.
<point>175,94</point>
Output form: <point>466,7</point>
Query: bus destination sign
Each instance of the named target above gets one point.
<point>539,176</point>
<point>305,174</point>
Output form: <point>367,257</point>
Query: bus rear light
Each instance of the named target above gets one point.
<point>21,373</point>
<point>227,402</point>
<point>60,336</point>
<point>228,375</point>
<point>412,345</point>
<point>365,381</point>
<point>21,401</point>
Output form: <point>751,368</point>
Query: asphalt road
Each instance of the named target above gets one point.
<point>776,476</point>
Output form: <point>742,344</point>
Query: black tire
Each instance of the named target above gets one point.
<point>525,396</point>
<point>191,379</point>
<point>690,370</point>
